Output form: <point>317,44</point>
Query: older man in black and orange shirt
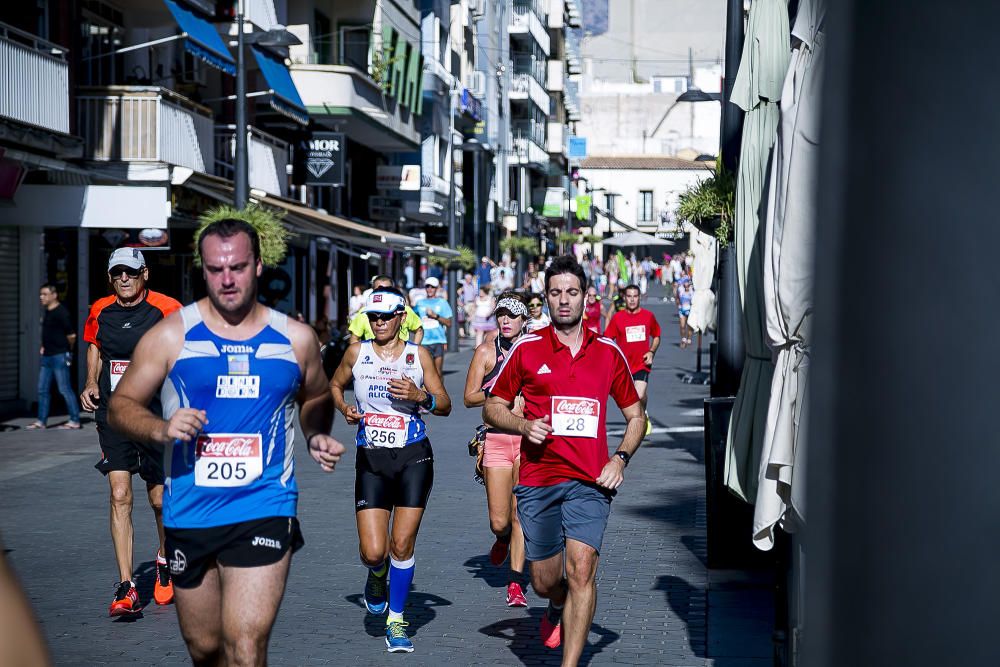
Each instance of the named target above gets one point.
<point>113,329</point>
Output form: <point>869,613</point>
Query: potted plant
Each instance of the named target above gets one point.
<point>709,205</point>
<point>466,261</point>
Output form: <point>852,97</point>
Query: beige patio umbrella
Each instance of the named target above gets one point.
<point>788,279</point>
<point>703,306</point>
<point>757,91</point>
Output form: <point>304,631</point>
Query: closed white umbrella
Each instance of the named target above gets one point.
<point>703,308</point>
<point>757,91</point>
<point>788,279</point>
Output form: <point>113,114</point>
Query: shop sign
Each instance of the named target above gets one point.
<point>399,177</point>
<point>325,159</point>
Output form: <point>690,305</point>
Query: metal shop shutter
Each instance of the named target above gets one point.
<point>10,314</point>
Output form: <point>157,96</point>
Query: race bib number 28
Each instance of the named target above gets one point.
<point>575,417</point>
<point>228,459</point>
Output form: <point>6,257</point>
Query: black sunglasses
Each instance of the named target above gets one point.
<point>381,317</point>
<point>116,271</point>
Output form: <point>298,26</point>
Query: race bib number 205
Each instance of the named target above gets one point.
<point>228,459</point>
<point>575,417</point>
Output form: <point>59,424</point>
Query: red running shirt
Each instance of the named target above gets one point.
<point>632,332</point>
<point>573,392</point>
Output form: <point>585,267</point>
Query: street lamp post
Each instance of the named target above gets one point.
<point>241,174</point>
<point>273,37</point>
<point>452,227</point>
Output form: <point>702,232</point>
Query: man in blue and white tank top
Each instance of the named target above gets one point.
<point>395,382</point>
<point>229,371</point>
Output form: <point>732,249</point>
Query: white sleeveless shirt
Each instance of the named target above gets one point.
<point>387,421</point>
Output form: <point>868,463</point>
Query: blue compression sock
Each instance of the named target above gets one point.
<point>400,578</point>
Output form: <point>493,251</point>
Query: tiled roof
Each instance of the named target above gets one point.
<point>642,162</point>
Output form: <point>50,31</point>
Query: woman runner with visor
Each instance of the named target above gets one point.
<point>395,382</point>
<point>502,450</point>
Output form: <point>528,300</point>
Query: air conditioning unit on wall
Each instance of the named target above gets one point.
<point>476,83</point>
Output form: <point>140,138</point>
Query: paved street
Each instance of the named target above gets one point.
<point>657,603</point>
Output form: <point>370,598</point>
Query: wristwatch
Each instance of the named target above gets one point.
<point>624,456</point>
<point>428,403</point>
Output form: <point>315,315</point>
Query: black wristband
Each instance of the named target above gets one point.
<point>624,456</point>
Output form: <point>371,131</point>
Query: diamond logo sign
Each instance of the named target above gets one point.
<point>319,166</point>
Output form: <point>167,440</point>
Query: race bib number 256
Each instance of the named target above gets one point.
<point>575,417</point>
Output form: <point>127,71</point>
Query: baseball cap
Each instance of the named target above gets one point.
<point>130,257</point>
<point>384,302</point>
<point>432,282</point>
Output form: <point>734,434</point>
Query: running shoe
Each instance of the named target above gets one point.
<point>649,425</point>
<point>126,600</point>
<point>163,589</point>
<point>375,598</point>
<point>499,552</point>
<point>551,632</point>
<point>396,639</point>
<point>515,596</point>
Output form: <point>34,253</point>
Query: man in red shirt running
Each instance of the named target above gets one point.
<point>565,372</point>
<point>637,333</point>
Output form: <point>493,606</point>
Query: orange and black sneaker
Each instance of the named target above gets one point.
<point>126,600</point>
<point>163,590</point>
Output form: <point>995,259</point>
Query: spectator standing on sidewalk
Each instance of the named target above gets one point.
<point>58,338</point>
<point>468,292</point>
<point>484,274</point>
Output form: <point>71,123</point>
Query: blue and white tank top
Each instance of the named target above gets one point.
<point>387,421</point>
<point>241,467</point>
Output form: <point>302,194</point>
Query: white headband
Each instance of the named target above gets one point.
<point>515,307</point>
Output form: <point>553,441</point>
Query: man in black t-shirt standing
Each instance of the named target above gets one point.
<point>113,329</point>
<point>58,337</point>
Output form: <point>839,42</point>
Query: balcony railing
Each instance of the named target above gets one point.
<point>525,86</point>
<point>528,141</point>
<point>145,124</point>
<point>529,17</point>
<point>267,163</point>
<point>35,89</point>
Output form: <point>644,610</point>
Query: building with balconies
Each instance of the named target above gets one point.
<point>134,131</point>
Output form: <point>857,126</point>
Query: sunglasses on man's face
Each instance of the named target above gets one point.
<point>380,317</point>
<point>117,271</point>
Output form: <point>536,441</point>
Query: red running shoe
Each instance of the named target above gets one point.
<point>499,552</point>
<point>126,600</point>
<point>163,590</point>
<point>515,595</point>
<point>551,632</point>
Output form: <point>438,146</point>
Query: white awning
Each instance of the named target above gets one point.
<point>104,206</point>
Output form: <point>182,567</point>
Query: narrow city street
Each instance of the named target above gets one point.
<point>657,602</point>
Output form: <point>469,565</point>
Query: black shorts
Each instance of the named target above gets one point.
<point>394,477</point>
<point>191,551</point>
<point>641,376</point>
<point>120,453</point>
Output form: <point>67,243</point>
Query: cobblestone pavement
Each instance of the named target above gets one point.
<point>657,603</point>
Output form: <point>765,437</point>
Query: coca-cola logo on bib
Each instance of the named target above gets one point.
<point>118,367</point>
<point>384,421</point>
<point>229,445</point>
<point>577,406</point>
